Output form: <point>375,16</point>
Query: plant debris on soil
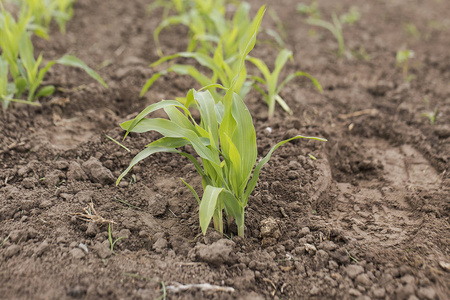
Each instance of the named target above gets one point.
<point>363,216</point>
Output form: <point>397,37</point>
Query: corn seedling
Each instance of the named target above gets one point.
<point>402,61</point>
<point>222,69</point>
<point>351,17</point>
<point>203,18</point>
<point>224,139</point>
<point>31,72</point>
<point>270,80</point>
<point>44,11</point>
<point>335,27</point>
<point>113,242</point>
<point>311,10</point>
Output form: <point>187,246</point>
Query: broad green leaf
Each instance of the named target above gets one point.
<point>170,129</point>
<point>72,61</point>
<point>45,91</point>
<point>208,206</point>
<point>233,206</point>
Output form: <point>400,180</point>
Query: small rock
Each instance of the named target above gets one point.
<point>77,253</point>
<point>160,245</point>
<point>41,249</point>
<point>379,292</point>
<point>354,292</point>
<point>83,247</point>
<point>102,250</point>
<point>52,179</point>
<point>311,249</point>
<point>269,231</point>
<point>61,164</point>
<point>305,231</point>
<point>445,266</point>
<point>12,251</point>
<point>292,175</point>
<point>92,229</point>
<point>45,204</point>
<point>341,256</point>
<point>353,271</point>
<point>84,197</point>
<point>426,293</point>
<point>157,205</point>
<point>16,236</point>
<point>364,280</point>
<point>314,291</point>
<point>76,172</point>
<point>97,172</point>
<point>403,292</point>
<point>29,182</point>
<point>217,253</point>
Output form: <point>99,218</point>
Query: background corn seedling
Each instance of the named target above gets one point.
<point>20,72</point>
<point>44,11</point>
<point>209,24</point>
<point>335,27</point>
<point>223,68</point>
<point>225,140</point>
<point>270,80</point>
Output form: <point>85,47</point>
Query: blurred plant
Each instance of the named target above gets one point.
<point>270,80</point>
<point>335,27</point>
<point>402,61</point>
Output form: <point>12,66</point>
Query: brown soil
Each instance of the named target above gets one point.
<point>369,219</point>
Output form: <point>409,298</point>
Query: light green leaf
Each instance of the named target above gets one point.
<point>72,61</point>
<point>208,206</point>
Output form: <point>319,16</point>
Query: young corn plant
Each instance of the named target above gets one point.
<point>204,18</point>
<point>335,27</point>
<point>33,73</point>
<point>402,61</point>
<point>270,80</point>
<point>222,68</point>
<point>224,139</point>
<point>44,11</point>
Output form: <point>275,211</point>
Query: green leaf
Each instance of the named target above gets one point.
<point>45,91</point>
<point>298,74</point>
<point>192,190</point>
<point>150,82</point>
<point>208,206</point>
<point>72,61</point>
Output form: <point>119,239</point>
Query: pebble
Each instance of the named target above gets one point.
<point>354,292</point>
<point>42,248</point>
<point>11,251</point>
<point>92,229</point>
<point>102,250</point>
<point>160,245</point>
<point>379,292</point>
<point>45,204</point>
<point>311,249</point>
<point>353,271</point>
<point>157,205</point>
<point>17,236</point>
<point>363,279</point>
<point>29,182</point>
<point>426,293</point>
<point>76,172</point>
<point>314,291</point>
<point>445,266</point>
<point>292,175</point>
<point>328,246</point>
<point>83,247</point>
<point>97,172</point>
<point>218,253</point>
